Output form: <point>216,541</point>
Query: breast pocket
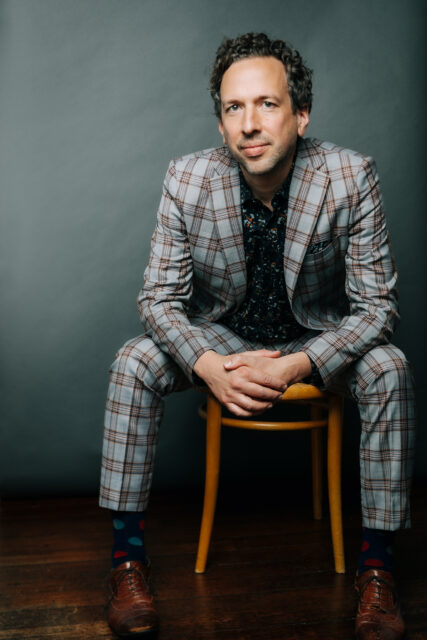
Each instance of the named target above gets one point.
<point>324,258</point>
<point>321,281</point>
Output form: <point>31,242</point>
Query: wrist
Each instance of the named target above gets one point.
<point>305,367</point>
<point>205,362</point>
<point>295,367</point>
<point>315,377</point>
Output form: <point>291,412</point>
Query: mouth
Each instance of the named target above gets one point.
<point>253,150</point>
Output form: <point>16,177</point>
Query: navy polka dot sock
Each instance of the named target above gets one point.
<point>376,551</point>
<point>128,537</point>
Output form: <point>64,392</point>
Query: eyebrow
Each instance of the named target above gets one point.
<point>270,96</point>
<point>260,98</point>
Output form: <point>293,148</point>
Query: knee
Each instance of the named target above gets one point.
<point>142,360</point>
<point>388,364</point>
<point>132,359</point>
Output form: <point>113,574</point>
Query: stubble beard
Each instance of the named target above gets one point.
<point>271,166</point>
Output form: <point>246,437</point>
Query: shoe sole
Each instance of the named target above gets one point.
<point>147,634</point>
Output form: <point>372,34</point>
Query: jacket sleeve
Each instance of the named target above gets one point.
<point>370,284</point>
<point>168,283</point>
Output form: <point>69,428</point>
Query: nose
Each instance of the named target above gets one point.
<point>250,122</point>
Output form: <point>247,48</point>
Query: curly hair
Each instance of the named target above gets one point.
<point>257,45</point>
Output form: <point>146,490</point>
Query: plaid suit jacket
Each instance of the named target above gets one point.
<point>339,272</point>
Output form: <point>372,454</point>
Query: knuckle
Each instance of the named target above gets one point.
<point>227,397</point>
<point>243,372</point>
<point>234,379</point>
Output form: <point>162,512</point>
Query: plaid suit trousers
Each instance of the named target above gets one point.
<point>380,382</point>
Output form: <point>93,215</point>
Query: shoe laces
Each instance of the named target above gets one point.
<point>130,578</point>
<point>380,597</point>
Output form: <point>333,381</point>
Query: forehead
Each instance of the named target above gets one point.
<point>251,76</point>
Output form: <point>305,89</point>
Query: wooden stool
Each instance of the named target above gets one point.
<point>325,411</point>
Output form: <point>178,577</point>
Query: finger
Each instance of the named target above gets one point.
<point>240,359</point>
<point>243,413</point>
<point>251,375</point>
<point>260,392</point>
<point>256,384</point>
<point>248,380</point>
<point>245,405</point>
<point>267,353</point>
<point>266,379</point>
<point>238,411</point>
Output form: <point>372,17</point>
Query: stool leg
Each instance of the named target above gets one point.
<point>213,445</point>
<point>334,479</point>
<point>316,463</point>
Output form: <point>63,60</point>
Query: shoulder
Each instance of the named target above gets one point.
<point>206,164</point>
<point>191,178</point>
<point>333,159</point>
<point>350,173</point>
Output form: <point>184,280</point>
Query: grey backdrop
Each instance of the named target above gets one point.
<point>95,97</point>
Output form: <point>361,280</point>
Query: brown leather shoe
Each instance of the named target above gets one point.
<point>131,612</point>
<point>378,612</point>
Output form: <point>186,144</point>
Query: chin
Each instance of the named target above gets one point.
<point>257,172</point>
<point>257,169</point>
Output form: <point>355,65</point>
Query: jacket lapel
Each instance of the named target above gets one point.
<point>306,195</point>
<point>225,189</point>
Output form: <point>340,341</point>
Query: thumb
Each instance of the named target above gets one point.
<point>267,353</point>
<point>234,362</point>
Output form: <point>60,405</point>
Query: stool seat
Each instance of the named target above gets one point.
<point>325,412</point>
<point>303,391</point>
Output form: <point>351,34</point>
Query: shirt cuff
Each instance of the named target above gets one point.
<point>315,377</point>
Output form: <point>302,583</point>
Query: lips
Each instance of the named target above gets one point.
<point>254,149</point>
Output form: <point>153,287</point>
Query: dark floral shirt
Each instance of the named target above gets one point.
<point>265,315</point>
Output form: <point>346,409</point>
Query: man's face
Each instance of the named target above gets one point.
<point>257,121</point>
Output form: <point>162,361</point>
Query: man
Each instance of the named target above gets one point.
<point>270,264</point>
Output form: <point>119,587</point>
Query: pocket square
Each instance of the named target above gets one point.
<point>317,247</point>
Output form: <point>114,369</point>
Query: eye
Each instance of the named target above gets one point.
<point>232,108</point>
<point>268,104</point>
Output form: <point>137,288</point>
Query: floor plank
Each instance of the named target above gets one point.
<point>270,574</point>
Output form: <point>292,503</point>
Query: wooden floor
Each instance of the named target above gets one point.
<point>270,574</point>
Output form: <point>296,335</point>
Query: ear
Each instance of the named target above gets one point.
<point>221,130</point>
<point>303,118</point>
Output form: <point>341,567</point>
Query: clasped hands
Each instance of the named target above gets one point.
<point>248,383</point>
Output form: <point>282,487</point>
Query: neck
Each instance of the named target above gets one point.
<point>264,186</point>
